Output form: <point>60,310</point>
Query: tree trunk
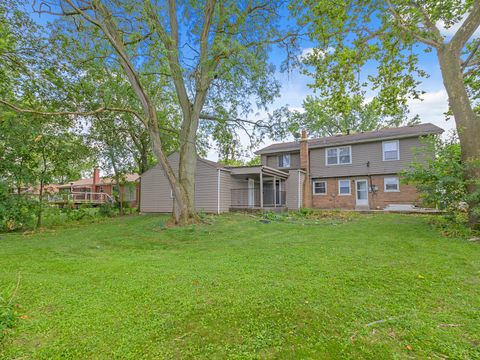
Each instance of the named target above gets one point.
<point>117,181</point>
<point>120,196</point>
<point>467,124</point>
<point>180,212</point>
<point>40,205</point>
<point>186,170</point>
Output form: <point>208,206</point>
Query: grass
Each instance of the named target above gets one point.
<point>373,287</point>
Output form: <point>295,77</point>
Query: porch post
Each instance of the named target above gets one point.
<point>261,189</point>
<point>280,191</point>
<point>274,191</point>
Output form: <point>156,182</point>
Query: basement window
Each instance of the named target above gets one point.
<point>391,184</point>
<point>319,187</point>
<point>344,187</point>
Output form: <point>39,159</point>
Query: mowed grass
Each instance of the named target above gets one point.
<point>376,287</point>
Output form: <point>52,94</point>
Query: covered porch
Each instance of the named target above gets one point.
<point>258,187</point>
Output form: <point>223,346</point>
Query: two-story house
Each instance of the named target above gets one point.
<point>353,171</point>
<point>360,170</point>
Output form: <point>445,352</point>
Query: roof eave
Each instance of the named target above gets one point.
<point>380,138</point>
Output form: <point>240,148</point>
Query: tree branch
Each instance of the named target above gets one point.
<point>405,28</point>
<point>171,45</point>
<point>75,113</point>
<point>466,63</point>
<point>428,22</point>
<point>469,26</point>
<point>219,119</point>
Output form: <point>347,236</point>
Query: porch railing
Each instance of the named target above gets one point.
<point>250,198</point>
<point>81,197</point>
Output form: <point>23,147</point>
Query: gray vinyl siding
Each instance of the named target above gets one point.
<point>361,155</point>
<point>156,191</point>
<point>206,191</point>
<point>225,193</point>
<point>272,161</point>
<point>294,189</point>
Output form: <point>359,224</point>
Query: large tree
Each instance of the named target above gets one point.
<point>35,152</point>
<point>376,45</point>
<point>213,53</point>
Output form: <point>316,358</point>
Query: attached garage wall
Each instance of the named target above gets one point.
<point>156,196</point>
<point>206,187</point>
<point>156,191</point>
<point>225,190</point>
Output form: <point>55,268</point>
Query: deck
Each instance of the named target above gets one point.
<point>78,198</point>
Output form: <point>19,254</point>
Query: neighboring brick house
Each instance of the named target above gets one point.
<point>92,189</point>
<point>356,171</point>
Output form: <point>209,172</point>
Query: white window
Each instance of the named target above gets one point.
<point>284,161</point>
<point>130,192</point>
<point>339,156</point>
<point>172,195</point>
<point>391,150</point>
<point>391,184</point>
<point>344,187</point>
<point>319,187</point>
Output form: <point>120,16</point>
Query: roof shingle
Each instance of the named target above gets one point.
<point>381,134</point>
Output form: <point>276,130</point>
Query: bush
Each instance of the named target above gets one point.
<point>442,184</point>
<point>17,212</point>
<point>107,210</point>
<point>453,227</point>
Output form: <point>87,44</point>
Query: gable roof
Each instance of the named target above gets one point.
<point>368,136</point>
<point>174,156</point>
<point>103,181</point>
<point>213,163</point>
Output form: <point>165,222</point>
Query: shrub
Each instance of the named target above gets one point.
<point>441,181</point>
<point>17,212</point>
<point>107,210</point>
<point>453,227</point>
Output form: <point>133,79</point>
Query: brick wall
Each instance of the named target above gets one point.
<point>377,200</point>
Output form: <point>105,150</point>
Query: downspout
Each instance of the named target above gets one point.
<point>299,188</point>
<point>218,191</point>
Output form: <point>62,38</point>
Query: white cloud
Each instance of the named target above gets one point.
<point>432,109</point>
<point>314,51</point>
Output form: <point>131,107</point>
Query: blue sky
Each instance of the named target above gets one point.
<point>295,88</point>
<point>431,107</point>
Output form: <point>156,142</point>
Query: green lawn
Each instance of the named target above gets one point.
<point>239,288</point>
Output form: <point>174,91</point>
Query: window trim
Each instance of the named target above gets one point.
<point>398,150</point>
<point>289,161</point>
<point>338,155</point>
<point>319,181</point>
<point>349,187</point>
<point>385,183</point>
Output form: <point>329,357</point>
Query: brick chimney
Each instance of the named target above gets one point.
<point>305,165</point>
<point>96,176</point>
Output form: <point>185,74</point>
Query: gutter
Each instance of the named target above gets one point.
<point>267,151</point>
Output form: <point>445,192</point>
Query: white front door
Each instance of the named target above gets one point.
<point>361,192</point>
<point>251,192</point>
